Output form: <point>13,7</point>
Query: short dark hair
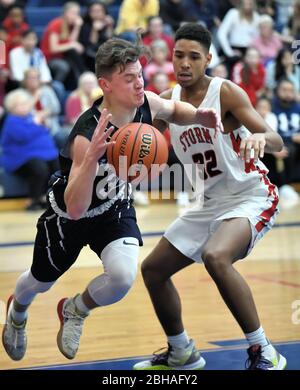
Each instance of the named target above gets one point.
<point>194,32</point>
<point>28,32</point>
<point>116,52</point>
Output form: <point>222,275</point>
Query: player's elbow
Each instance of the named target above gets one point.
<point>74,213</point>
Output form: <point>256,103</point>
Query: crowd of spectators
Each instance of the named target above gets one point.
<point>254,44</point>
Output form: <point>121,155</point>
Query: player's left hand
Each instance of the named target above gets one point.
<point>208,117</point>
<point>256,142</point>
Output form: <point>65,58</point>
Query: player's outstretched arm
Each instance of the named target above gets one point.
<point>85,156</point>
<point>263,138</point>
<point>182,113</point>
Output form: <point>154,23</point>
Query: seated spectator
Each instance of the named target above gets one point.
<point>238,29</point>
<point>264,108</point>
<point>219,71</point>
<point>271,160</point>
<point>134,15</point>
<point>294,22</point>
<point>266,7</point>
<point>28,149</point>
<point>287,110</point>
<point>60,44</point>
<point>97,28</point>
<point>82,98</point>
<point>159,83</point>
<point>284,8</point>
<point>268,43</point>
<point>249,74</point>
<point>159,62</point>
<point>26,56</point>
<point>284,66</point>
<point>15,26</point>
<point>46,105</point>
<point>4,71</point>
<point>5,6</point>
<point>155,32</point>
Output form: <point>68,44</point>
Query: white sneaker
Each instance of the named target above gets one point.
<point>140,198</point>
<point>288,197</point>
<point>174,359</point>
<point>14,337</point>
<point>267,359</point>
<point>71,323</point>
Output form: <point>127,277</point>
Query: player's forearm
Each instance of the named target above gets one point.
<point>274,142</point>
<point>183,114</point>
<point>78,194</point>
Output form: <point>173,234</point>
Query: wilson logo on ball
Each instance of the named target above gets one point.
<point>138,146</point>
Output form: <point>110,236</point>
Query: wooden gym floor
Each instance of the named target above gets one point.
<point>129,328</point>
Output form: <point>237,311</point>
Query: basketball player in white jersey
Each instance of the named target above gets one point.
<point>239,207</point>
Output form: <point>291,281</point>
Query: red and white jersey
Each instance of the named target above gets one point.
<point>224,173</point>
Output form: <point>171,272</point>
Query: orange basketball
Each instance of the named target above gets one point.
<point>138,146</point>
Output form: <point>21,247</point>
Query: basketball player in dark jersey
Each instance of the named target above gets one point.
<point>89,205</point>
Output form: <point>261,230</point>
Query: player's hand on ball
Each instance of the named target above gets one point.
<point>101,136</point>
<point>255,142</point>
<point>208,117</point>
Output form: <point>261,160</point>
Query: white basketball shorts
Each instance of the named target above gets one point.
<point>190,232</point>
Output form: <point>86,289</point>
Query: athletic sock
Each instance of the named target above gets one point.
<point>180,340</point>
<point>18,316</point>
<point>257,337</point>
<point>80,305</point>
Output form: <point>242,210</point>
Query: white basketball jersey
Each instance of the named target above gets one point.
<point>224,173</point>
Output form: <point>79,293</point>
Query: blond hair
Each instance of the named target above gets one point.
<point>15,97</point>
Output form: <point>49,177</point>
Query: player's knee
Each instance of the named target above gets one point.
<point>150,273</point>
<point>28,286</point>
<point>123,278</point>
<point>216,261</point>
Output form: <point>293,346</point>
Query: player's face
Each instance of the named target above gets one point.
<point>127,86</point>
<point>190,60</point>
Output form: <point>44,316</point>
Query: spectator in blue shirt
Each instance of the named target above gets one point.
<point>28,149</point>
<point>287,110</point>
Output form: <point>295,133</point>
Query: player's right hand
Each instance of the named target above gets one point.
<point>101,136</point>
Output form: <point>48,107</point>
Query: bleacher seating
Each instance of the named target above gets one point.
<point>12,186</point>
<point>39,17</point>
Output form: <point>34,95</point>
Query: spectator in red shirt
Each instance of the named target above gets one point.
<point>155,32</point>
<point>83,97</point>
<point>159,61</point>
<point>60,43</point>
<point>159,83</point>
<point>15,26</point>
<point>249,74</point>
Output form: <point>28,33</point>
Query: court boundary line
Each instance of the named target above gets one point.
<point>144,235</point>
<point>218,349</point>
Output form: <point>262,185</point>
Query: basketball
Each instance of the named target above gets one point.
<point>137,147</point>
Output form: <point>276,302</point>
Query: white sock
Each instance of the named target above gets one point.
<point>80,305</point>
<point>180,340</point>
<point>257,337</point>
<point>18,316</point>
